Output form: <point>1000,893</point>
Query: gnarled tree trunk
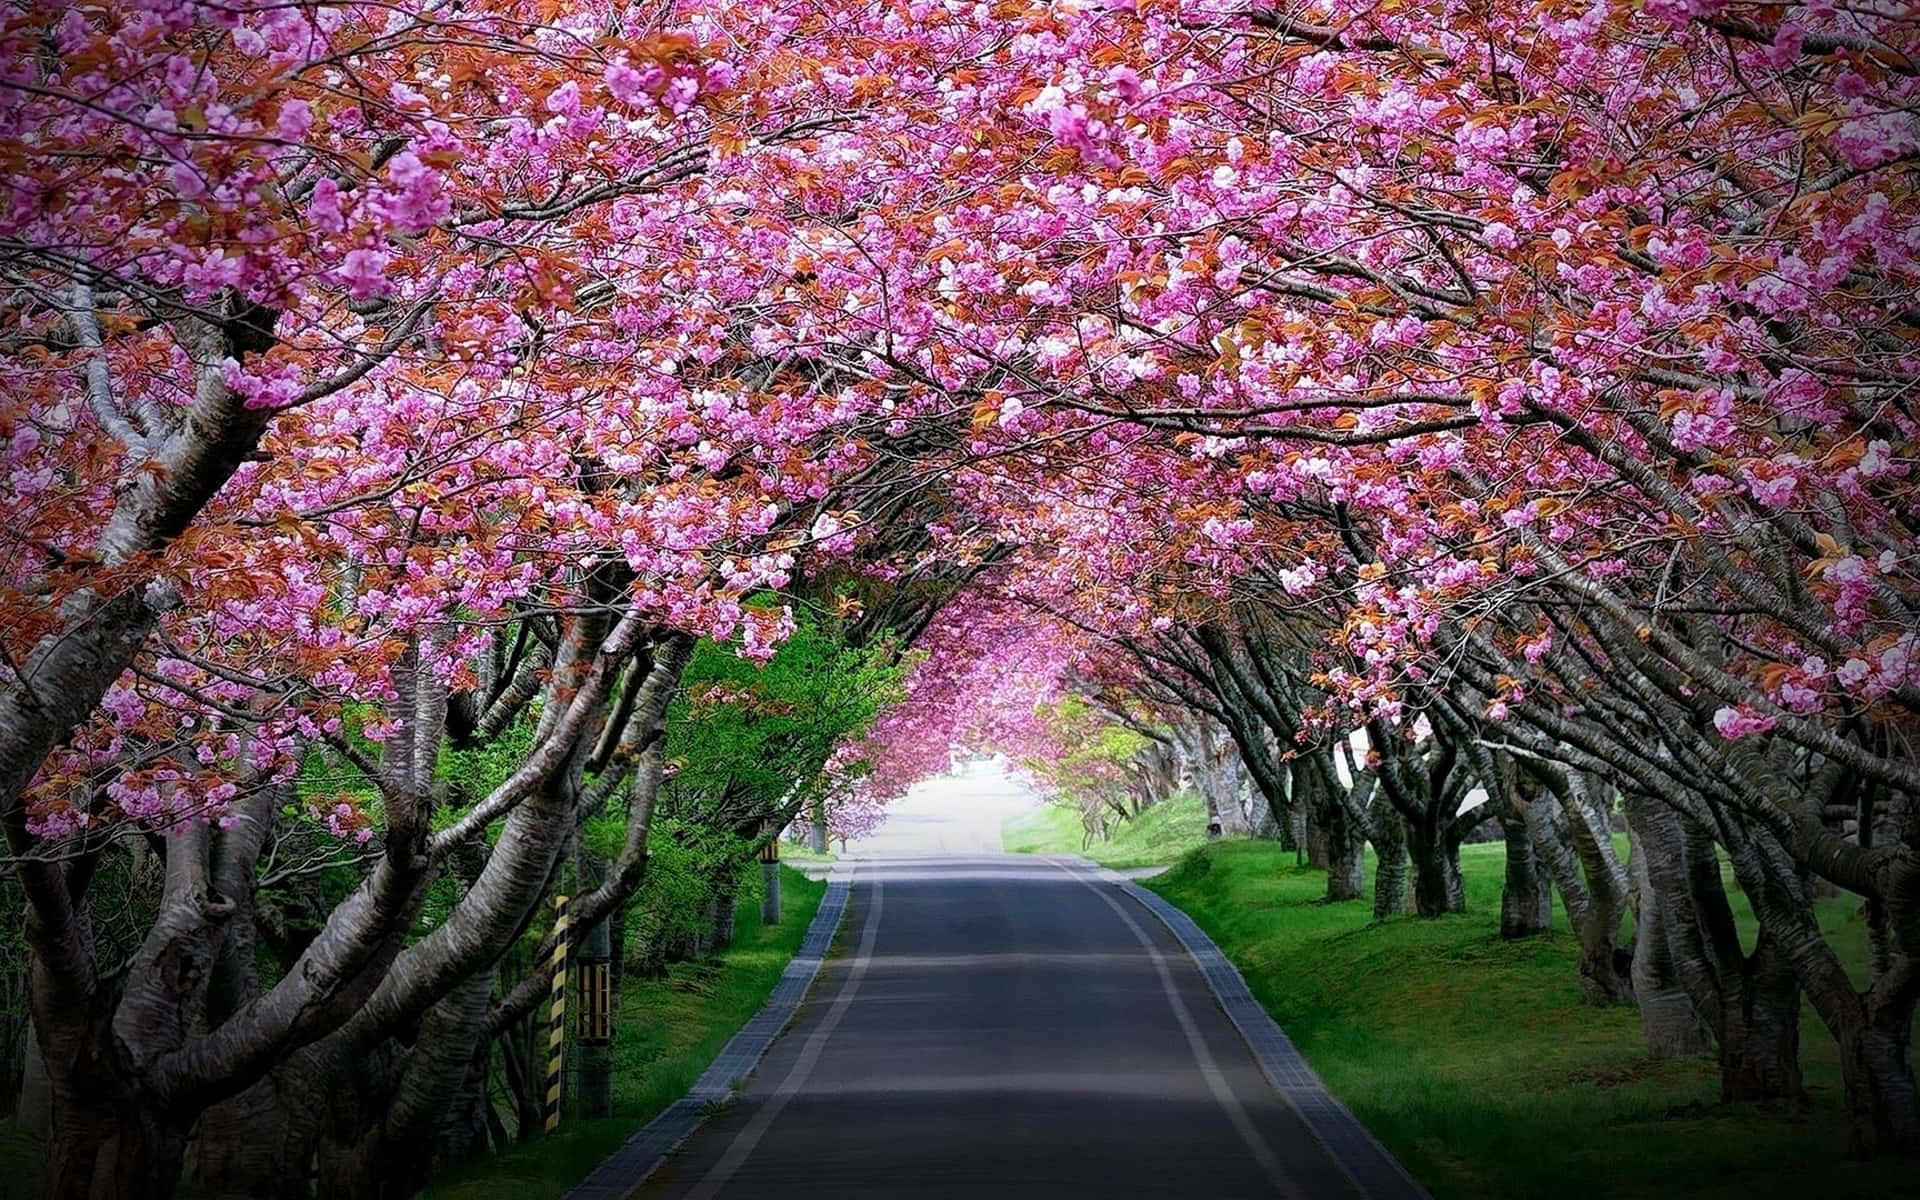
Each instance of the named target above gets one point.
<point>1337,821</point>
<point>1604,967</point>
<point>1751,1002</point>
<point>1526,895</point>
<point>1669,1020</point>
<point>1435,856</point>
<point>1389,837</point>
<point>1346,855</point>
<point>1760,1033</point>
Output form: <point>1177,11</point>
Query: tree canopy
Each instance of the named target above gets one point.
<point>1370,405</point>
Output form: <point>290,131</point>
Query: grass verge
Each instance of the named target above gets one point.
<point>791,853</point>
<point>1475,1062</point>
<point>1159,835</point>
<point>670,1029</point>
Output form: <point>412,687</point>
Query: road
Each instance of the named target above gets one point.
<point>1005,1028</point>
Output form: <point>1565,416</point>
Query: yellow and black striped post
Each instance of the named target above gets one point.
<point>557,1014</point>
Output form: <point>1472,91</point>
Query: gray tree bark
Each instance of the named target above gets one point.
<point>1669,1020</point>
<point>1526,895</point>
<point>1553,848</point>
<point>1389,836</point>
<point>1435,858</point>
<point>1218,775</point>
<point>393,1072</point>
<point>1583,804</point>
<point>1750,1001</point>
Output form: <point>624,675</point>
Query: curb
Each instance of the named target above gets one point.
<point>621,1173</point>
<point>1370,1166</point>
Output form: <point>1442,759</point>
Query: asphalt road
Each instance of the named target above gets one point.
<point>1004,1028</point>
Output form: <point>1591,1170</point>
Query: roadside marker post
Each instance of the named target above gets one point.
<point>595,1026</point>
<point>557,1014</point>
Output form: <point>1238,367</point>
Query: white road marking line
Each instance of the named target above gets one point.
<point>1223,1093</point>
<point>747,1139</point>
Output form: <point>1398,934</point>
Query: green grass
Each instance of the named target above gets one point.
<point>1159,835</point>
<point>1476,1063</point>
<point>670,1029</point>
<point>805,854</point>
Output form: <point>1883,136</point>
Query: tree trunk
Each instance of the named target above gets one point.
<point>466,1131</point>
<point>1553,848</point>
<point>1669,1019</point>
<point>394,1111</point>
<point>1873,1028</point>
<point>1437,887</point>
<point>1315,840</point>
<point>1389,835</point>
<point>259,1144</point>
<point>132,1073</point>
<point>108,1142</point>
<point>1334,833</point>
<point>423,1108</point>
<point>1262,822</point>
<point>1225,816</point>
<point>770,893</point>
<point>1604,967</point>
<point>1760,1041</point>
<point>1291,827</point>
<point>725,907</point>
<point>111,1137</point>
<point>395,1078</point>
<point>1233,813</point>
<point>1526,897</point>
<point>1346,860</point>
<point>1219,772</point>
<point>1601,959</point>
<point>1882,1107</point>
<point>1760,1007</point>
<point>1752,1001</point>
<point>1456,879</point>
<point>34,1112</point>
<point>113,1148</point>
<point>517,1057</point>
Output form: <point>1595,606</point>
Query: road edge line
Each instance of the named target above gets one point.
<point>1370,1166</point>
<point>1236,1113</point>
<point>623,1172</point>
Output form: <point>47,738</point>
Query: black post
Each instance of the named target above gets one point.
<point>769,874</point>
<point>595,957</point>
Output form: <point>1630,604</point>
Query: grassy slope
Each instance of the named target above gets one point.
<point>1475,1061</point>
<point>670,1029</point>
<point>1161,834</point>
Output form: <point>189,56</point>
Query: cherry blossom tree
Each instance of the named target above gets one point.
<point>1522,394</point>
